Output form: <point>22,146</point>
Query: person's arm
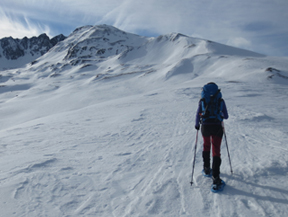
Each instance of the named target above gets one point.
<point>197,119</point>
<point>224,111</point>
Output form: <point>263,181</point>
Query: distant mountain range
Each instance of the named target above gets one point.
<point>15,53</point>
<point>89,42</point>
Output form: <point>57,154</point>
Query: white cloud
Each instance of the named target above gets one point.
<point>19,28</point>
<point>158,16</point>
<point>239,42</point>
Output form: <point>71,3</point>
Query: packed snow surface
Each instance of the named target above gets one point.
<point>103,125</point>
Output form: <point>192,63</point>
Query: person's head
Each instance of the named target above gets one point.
<point>211,83</point>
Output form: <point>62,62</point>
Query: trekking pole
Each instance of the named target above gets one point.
<point>194,158</point>
<point>227,147</point>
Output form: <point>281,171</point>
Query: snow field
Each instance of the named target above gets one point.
<point>132,156</point>
<point>116,138</point>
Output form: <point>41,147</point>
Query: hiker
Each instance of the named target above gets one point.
<point>210,114</point>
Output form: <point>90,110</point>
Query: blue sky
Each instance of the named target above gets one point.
<point>259,25</point>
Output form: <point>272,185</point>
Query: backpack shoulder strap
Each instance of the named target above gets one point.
<point>204,106</point>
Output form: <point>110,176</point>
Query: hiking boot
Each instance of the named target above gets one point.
<point>217,182</point>
<point>207,171</point>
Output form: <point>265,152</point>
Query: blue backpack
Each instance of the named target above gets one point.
<point>211,102</point>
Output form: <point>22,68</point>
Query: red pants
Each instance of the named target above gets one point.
<point>216,144</point>
<point>212,135</point>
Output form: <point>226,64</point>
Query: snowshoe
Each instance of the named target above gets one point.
<point>218,185</point>
<point>207,172</point>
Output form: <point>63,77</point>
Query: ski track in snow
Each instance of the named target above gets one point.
<point>119,140</point>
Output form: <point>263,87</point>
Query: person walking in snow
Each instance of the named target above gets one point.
<point>210,114</point>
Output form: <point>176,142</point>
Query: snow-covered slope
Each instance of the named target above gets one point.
<point>103,125</point>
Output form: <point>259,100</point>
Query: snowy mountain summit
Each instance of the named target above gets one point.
<point>103,46</point>
<point>101,41</point>
<point>102,124</point>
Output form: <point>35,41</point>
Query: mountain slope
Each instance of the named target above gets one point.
<point>88,133</point>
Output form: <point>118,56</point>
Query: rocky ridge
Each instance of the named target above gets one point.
<point>17,52</point>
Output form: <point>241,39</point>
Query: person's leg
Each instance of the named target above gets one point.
<point>206,149</point>
<point>216,167</point>
<point>206,154</point>
<point>216,145</point>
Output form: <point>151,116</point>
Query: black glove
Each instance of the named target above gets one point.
<point>197,127</point>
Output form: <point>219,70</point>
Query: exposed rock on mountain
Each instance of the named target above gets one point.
<point>17,52</point>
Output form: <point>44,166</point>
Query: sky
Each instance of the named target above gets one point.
<point>259,26</point>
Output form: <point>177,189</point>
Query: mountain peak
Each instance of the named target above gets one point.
<point>98,31</point>
<point>100,41</point>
